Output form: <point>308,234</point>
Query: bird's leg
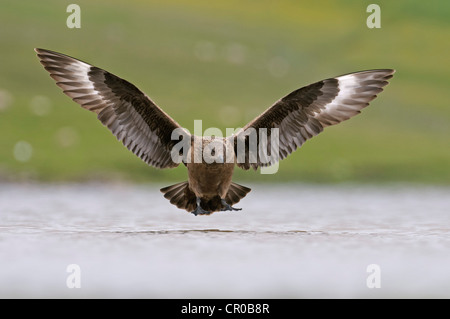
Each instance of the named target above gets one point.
<point>227,206</point>
<point>199,210</point>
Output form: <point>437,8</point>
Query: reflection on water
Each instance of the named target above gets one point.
<point>288,241</point>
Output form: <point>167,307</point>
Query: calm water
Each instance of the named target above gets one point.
<point>289,241</point>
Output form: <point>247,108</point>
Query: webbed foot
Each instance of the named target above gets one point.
<point>227,206</point>
<point>199,210</point>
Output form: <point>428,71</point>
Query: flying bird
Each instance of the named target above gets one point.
<point>147,131</point>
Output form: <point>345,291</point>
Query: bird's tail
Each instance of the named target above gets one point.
<point>235,193</point>
<point>181,196</point>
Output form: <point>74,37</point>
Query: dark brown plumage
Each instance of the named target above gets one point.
<point>146,129</point>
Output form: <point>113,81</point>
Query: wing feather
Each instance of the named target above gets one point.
<point>304,113</point>
<point>131,116</point>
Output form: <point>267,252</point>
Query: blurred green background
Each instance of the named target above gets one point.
<point>225,62</point>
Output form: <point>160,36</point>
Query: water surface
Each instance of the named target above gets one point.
<point>289,241</point>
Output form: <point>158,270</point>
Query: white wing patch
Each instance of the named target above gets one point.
<point>355,92</point>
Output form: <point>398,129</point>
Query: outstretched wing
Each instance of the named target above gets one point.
<point>305,112</point>
<point>131,116</point>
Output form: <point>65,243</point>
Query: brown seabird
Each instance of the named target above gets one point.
<point>147,131</point>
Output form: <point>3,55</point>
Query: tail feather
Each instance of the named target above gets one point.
<point>181,196</point>
<point>172,190</point>
<point>235,193</point>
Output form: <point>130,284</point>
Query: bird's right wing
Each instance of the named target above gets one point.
<point>132,117</point>
<point>305,112</point>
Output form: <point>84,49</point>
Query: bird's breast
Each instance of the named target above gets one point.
<point>210,179</point>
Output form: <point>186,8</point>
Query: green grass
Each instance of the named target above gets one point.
<point>258,52</point>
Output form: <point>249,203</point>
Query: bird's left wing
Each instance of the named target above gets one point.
<point>131,116</point>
